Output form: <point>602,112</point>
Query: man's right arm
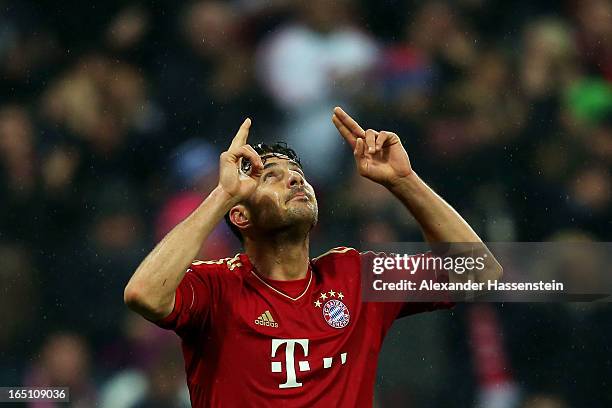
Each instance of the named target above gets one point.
<point>150,292</point>
<point>151,289</point>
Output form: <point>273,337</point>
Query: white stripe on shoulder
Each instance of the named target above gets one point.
<point>231,262</point>
<point>375,253</point>
<point>213,262</point>
<point>337,250</point>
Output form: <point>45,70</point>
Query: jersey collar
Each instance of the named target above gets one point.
<point>251,270</point>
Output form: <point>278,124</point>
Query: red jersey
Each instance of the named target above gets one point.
<point>249,342</point>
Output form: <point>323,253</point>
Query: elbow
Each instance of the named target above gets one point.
<point>492,271</point>
<point>138,301</point>
<point>499,273</point>
<point>496,271</point>
<point>132,296</point>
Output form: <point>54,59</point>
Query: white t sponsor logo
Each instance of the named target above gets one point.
<point>277,366</point>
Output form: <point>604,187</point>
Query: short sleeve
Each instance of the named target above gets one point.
<point>191,304</point>
<point>396,310</point>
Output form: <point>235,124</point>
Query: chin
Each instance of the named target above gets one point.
<point>306,214</point>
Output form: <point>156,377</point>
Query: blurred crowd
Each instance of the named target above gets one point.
<point>113,115</point>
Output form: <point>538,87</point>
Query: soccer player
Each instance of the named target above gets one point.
<point>270,326</point>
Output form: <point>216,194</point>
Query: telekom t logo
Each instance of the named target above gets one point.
<point>277,366</point>
<point>303,365</point>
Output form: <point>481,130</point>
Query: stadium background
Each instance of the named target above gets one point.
<point>112,116</point>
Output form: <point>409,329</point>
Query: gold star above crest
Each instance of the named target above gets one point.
<point>317,303</point>
<point>332,293</point>
<point>340,295</point>
<point>323,296</point>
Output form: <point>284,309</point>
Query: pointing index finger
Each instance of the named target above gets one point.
<point>344,131</point>
<point>349,122</point>
<point>242,134</point>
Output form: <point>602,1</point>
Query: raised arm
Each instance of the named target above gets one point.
<point>152,287</point>
<point>380,157</point>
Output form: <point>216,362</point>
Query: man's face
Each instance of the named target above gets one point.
<point>283,197</point>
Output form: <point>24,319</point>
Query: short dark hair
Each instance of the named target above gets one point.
<point>277,149</point>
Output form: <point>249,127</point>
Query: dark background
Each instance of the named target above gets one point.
<point>113,114</point>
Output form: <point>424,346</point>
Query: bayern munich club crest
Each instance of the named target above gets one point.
<point>336,313</point>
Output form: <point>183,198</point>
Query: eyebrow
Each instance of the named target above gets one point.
<point>291,163</point>
<point>271,164</point>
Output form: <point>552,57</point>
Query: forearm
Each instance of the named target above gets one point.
<point>438,220</point>
<point>440,223</point>
<point>151,289</point>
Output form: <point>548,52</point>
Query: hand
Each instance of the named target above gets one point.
<point>237,184</point>
<point>379,156</point>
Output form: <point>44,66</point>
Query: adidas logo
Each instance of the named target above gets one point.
<point>266,320</point>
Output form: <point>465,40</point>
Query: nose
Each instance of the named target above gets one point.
<point>295,179</point>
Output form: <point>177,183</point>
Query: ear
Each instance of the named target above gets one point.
<point>239,216</point>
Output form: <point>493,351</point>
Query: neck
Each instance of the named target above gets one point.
<point>279,258</point>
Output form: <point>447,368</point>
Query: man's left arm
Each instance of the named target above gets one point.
<point>440,223</point>
<point>380,157</point>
